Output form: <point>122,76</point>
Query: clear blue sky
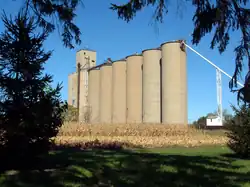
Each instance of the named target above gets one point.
<point>110,37</point>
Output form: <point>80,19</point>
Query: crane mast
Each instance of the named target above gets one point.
<point>219,96</point>
<point>218,82</point>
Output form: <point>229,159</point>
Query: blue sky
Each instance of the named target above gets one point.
<point>110,37</point>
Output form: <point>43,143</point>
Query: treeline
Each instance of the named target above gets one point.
<point>200,123</point>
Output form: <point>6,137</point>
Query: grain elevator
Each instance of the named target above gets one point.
<point>150,87</point>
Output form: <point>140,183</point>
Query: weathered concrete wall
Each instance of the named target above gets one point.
<point>105,94</point>
<point>94,95</point>
<point>151,86</point>
<point>119,92</point>
<point>134,89</point>
<point>72,89</point>
<point>174,84</point>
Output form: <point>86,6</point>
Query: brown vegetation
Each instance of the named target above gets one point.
<point>139,135</point>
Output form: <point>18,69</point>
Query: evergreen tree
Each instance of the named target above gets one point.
<point>239,131</point>
<point>31,111</point>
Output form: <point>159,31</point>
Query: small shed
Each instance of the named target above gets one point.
<point>213,120</point>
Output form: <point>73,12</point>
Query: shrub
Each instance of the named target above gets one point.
<point>94,144</point>
<point>200,123</point>
<point>87,115</point>
<point>239,131</point>
<point>71,114</point>
<point>30,109</point>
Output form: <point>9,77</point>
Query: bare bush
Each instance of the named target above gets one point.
<point>71,114</point>
<point>87,114</point>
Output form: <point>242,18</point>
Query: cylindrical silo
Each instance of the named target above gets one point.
<point>93,95</point>
<point>119,91</point>
<point>105,93</point>
<point>134,88</point>
<point>174,84</point>
<point>184,84</point>
<point>151,86</point>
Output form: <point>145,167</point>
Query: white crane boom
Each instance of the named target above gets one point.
<point>212,63</point>
<point>218,83</point>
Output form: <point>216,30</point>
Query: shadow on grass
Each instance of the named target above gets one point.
<point>72,167</point>
<point>234,156</point>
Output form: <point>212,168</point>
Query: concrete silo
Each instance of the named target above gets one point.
<point>134,88</point>
<point>151,86</point>
<point>119,92</point>
<point>85,59</point>
<point>83,108</point>
<point>94,95</point>
<point>184,84</point>
<point>72,89</point>
<point>105,93</point>
<point>174,84</point>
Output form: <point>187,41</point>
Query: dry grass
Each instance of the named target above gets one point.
<point>143,135</point>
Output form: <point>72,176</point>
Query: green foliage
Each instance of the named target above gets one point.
<point>128,11</point>
<point>71,114</point>
<point>50,14</point>
<point>239,131</point>
<point>200,123</point>
<point>220,16</point>
<point>227,117</point>
<point>30,109</point>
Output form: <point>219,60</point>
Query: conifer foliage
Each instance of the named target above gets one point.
<point>31,111</point>
<point>239,131</point>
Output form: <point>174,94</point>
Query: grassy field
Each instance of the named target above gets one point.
<point>177,166</point>
<point>154,155</point>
